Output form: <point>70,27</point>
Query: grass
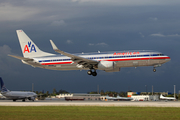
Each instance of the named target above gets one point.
<point>87,113</point>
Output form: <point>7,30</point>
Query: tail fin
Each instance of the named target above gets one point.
<point>161,96</point>
<point>29,49</point>
<point>3,88</point>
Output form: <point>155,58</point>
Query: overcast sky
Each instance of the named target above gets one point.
<point>91,26</point>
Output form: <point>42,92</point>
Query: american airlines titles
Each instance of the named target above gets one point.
<point>126,53</point>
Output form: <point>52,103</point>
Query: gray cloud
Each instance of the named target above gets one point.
<point>153,19</point>
<point>7,65</point>
<point>174,35</point>
<point>69,41</point>
<point>121,25</point>
<point>4,50</point>
<point>46,10</point>
<point>128,3</point>
<point>58,23</point>
<point>157,35</point>
<point>98,44</point>
<point>161,35</point>
<point>141,35</point>
<point>9,12</point>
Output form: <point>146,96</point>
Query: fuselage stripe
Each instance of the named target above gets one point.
<point>53,63</point>
<point>122,59</point>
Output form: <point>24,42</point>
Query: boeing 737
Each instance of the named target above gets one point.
<point>106,61</point>
<point>110,98</point>
<point>118,98</point>
<point>16,95</point>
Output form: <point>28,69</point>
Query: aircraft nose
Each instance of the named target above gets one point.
<point>168,59</point>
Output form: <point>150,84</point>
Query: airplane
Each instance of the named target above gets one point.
<point>166,98</point>
<point>110,98</point>
<point>106,61</point>
<point>16,95</point>
<point>124,98</point>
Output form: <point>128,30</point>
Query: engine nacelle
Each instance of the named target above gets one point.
<point>106,65</point>
<point>31,98</point>
<point>113,70</point>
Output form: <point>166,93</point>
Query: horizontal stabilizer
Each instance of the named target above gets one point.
<point>21,58</point>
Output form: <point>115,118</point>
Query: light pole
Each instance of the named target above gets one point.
<point>32,87</point>
<point>174,91</point>
<point>97,89</point>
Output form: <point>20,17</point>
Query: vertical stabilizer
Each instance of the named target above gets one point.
<point>28,47</point>
<point>3,88</point>
<point>161,96</point>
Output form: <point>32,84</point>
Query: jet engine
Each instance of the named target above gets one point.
<point>106,65</point>
<point>113,70</point>
<point>31,98</point>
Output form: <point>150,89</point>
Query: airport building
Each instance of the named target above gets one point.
<point>138,96</point>
<point>145,97</point>
<point>129,94</point>
<point>64,95</point>
<point>78,96</point>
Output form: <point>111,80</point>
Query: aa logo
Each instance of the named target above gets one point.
<point>29,48</point>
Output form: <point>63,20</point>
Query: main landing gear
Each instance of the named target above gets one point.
<point>92,73</point>
<point>154,69</point>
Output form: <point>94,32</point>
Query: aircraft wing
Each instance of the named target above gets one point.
<point>21,58</point>
<point>79,60</point>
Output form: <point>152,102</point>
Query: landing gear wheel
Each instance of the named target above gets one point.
<point>23,100</point>
<point>14,100</point>
<point>94,73</point>
<point>154,70</point>
<point>89,72</point>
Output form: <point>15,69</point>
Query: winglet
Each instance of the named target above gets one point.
<point>53,45</point>
<point>73,57</point>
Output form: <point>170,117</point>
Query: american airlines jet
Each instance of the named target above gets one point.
<point>16,95</point>
<point>106,61</point>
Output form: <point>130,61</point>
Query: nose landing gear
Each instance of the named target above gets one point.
<point>92,73</point>
<point>154,69</point>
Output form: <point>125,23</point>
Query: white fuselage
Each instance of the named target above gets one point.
<point>15,95</point>
<point>120,59</point>
<point>167,98</point>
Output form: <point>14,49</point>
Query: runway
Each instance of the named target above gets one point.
<point>91,103</point>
